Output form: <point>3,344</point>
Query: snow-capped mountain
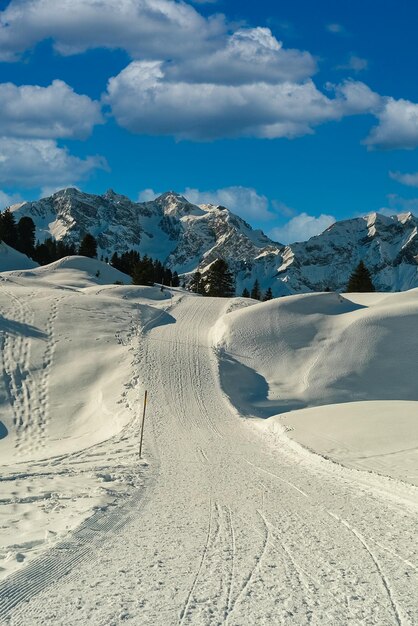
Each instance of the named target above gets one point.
<point>387,245</point>
<point>188,237</point>
<point>168,228</point>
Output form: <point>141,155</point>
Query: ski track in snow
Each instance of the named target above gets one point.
<point>205,542</point>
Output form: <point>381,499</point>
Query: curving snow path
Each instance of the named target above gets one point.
<point>233,527</point>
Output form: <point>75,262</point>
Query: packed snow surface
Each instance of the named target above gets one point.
<point>226,519</point>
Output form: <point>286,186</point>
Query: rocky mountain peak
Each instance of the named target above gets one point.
<point>188,237</point>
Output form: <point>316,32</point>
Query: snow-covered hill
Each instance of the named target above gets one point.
<point>169,228</point>
<point>11,259</point>
<point>227,520</point>
<point>188,237</point>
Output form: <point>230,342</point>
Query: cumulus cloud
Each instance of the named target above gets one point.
<point>355,64</point>
<point>397,205</point>
<point>7,199</point>
<point>46,112</point>
<point>144,100</point>
<point>145,28</point>
<point>301,227</point>
<point>411,180</point>
<point>40,162</point>
<point>248,55</point>
<point>398,126</point>
<point>244,201</point>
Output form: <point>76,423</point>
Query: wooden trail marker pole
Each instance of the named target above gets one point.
<point>142,425</point>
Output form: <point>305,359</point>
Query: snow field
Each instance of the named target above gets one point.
<point>236,523</point>
<point>68,400</point>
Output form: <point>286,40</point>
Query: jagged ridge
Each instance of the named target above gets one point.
<point>188,237</point>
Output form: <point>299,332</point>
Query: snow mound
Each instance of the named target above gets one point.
<point>78,272</point>
<point>11,259</point>
<point>322,349</point>
<point>69,382</point>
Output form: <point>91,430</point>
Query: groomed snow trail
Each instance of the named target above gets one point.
<point>233,529</point>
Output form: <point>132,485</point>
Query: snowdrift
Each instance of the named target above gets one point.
<point>325,349</point>
<point>76,271</point>
<point>11,259</point>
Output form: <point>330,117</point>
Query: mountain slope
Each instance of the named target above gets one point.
<point>188,237</point>
<point>169,228</point>
<point>387,245</point>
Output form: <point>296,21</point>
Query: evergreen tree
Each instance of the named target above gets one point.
<point>167,276</point>
<point>176,280</point>
<point>88,246</point>
<point>8,228</point>
<point>268,295</point>
<point>26,235</point>
<point>143,272</point>
<point>219,281</point>
<point>158,272</point>
<point>65,249</point>
<point>197,284</point>
<point>245,293</point>
<point>255,291</point>
<point>360,280</point>
<point>42,254</point>
<point>115,261</point>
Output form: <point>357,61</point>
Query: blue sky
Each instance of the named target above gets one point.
<point>291,113</point>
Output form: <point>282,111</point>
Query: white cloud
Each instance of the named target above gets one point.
<point>301,227</point>
<point>7,199</point>
<point>398,126</point>
<point>335,28</point>
<point>146,195</point>
<point>398,204</point>
<point>145,28</point>
<point>355,64</point>
<point>49,190</point>
<point>411,180</point>
<point>40,162</point>
<point>46,112</point>
<point>283,209</point>
<point>248,55</point>
<point>244,201</point>
<point>355,97</point>
<point>144,100</point>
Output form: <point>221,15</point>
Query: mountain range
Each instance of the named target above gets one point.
<point>187,237</point>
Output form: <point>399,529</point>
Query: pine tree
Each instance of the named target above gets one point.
<point>255,291</point>
<point>26,235</point>
<point>219,281</point>
<point>360,280</point>
<point>143,272</point>
<point>176,280</point>
<point>268,295</point>
<point>42,254</point>
<point>8,228</point>
<point>88,246</point>
<point>245,293</point>
<point>196,284</point>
